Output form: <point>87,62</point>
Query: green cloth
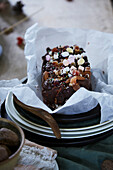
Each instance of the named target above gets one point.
<point>88,157</point>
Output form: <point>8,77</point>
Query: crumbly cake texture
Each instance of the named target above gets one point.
<point>64,70</point>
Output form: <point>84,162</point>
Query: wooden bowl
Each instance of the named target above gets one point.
<point>12,160</point>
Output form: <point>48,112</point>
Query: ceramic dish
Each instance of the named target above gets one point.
<point>50,141</point>
<point>46,131</point>
<point>71,135</point>
<point>10,162</point>
<point>62,120</point>
<point>10,104</point>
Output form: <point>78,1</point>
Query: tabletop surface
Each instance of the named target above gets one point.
<point>88,14</point>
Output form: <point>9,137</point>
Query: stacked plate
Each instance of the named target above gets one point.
<point>44,130</point>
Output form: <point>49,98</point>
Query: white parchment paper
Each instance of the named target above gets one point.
<point>99,48</point>
<point>5,87</point>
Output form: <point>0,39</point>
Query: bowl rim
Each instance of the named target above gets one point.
<point>21,144</point>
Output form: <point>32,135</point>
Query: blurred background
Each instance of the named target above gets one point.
<point>17,16</point>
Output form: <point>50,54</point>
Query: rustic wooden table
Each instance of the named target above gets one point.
<point>88,14</point>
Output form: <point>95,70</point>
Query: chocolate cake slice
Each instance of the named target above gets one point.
<point>64,70</point>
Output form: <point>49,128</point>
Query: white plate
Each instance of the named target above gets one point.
<point>56,166</point>
<point>28,128</point>
<point>9,101</point>
<point>46,131</point>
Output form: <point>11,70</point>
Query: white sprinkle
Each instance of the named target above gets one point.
<point>83,54</point>
<point>71,59</point>
<point>69,75</point>
<point>65,54</point>
<point>73,69</point>
<point>50,52</point>
<point>81,68</point>
<point>48,57</point>
<point>87,75</point>
<point>67,68</point>
<point>81,61</point>
<point>51,61</point>
<point>56,72</point>
<point>70,84</point>
<point>70,50</point>
<point>64,70</point>
<point>55,55</point>
<point>77,56</point>
<point>65,62</point>
<point>61,71</point>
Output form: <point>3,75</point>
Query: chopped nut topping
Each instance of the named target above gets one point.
<point>45,75</point>
<point>55,63</point>
<point>60,64</point>
<point>76,87</point>
<point>73,80</point>
<point>54,50</point>
<point>87,69</point>
<point>67,81</point>
<point>77,49</point>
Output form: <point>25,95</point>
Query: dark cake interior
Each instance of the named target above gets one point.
<point>64,70</point>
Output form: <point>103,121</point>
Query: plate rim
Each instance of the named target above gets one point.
<point>34,131</point>
<point>61,129</point>
<point>77,129</point>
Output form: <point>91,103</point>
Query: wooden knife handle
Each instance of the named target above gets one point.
<point>47,117</point>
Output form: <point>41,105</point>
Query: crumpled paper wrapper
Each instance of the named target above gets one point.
<point>99,48</point>
<point>5,87</point>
